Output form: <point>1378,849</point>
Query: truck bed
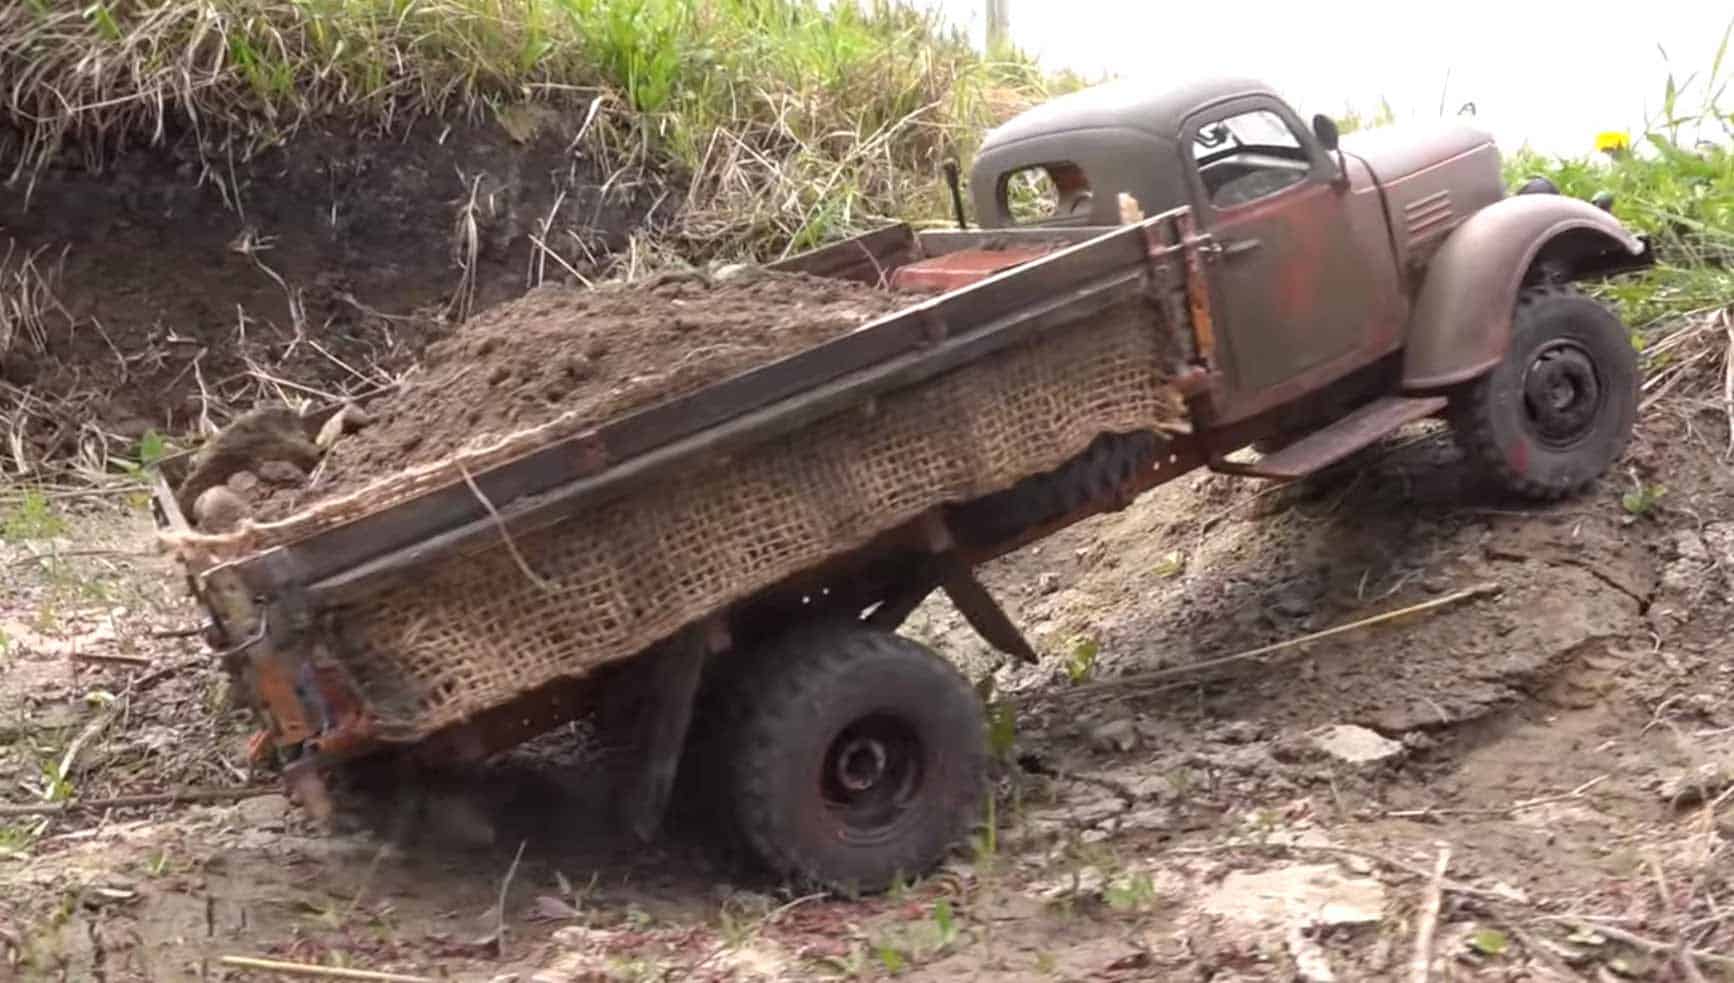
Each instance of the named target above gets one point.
<point>447,601</point>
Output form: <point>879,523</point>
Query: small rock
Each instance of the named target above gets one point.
<point>243,482</point>
<point>1310,962</point>
<point>1355,745</point>
<point>1317,894</point>
<point>1293,603</point>
<point>282,473</point>
<point>1419,740</point>
<point>1147,819</point>
<point>132,428</point>
<point>1047,583</point>
<point>217,510</point>
<point>1116,735</point>
<point>1239,732</point>
<point>264,812</point>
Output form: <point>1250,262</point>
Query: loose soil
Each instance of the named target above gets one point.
<point>587,356</point>
<point>1570,737</point>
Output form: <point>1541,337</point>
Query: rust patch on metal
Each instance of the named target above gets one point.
<point>355,732</point>
<point>964,267</point>
<point>274,684</point>
<point>1197,288</point>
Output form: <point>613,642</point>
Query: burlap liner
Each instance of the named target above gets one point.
<point>474,631</point>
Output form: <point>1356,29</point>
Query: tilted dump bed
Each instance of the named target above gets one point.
<point>436,597</point>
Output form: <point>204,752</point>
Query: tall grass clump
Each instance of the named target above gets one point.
<point>1672,185</point>
<point>784,123</point>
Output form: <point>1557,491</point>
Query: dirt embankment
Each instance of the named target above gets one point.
<point>166,291</point>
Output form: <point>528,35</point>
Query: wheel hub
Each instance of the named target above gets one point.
<point>872,774</point>
<point>860,764</point>
<point>1561,393</point>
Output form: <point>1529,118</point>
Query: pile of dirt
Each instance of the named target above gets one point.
<point>587,355</point>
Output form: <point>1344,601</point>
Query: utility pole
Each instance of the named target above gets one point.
<point>998,24</point>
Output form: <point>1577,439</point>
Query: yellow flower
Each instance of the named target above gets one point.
<point>1612,141</point>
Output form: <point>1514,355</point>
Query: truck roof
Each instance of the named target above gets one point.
<point>1123,104</point>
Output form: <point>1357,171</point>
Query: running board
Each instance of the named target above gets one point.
<point>1322,448</point>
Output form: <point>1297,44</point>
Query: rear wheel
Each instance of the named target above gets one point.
<point>1557,411</point>
<point>859,760</point>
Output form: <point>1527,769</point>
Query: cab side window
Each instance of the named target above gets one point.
<point>1247,156</point>
<point>1047,194</point>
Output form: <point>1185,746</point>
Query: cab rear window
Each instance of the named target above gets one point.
<point>1045,193</point>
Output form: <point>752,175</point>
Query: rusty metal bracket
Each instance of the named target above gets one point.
<point>984,613</point>
<point>672,686</point>
<point>226,657</point>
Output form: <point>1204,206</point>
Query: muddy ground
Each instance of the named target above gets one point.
<point>1566,736</point>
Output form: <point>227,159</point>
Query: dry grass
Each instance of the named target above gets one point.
<point>781,123</point>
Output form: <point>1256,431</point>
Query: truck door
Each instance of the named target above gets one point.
<point>1304,285</point>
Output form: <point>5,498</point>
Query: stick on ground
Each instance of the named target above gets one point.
<point>1165,675</point>
<point>326,972</point>
<point>1421,965</point>
<point>134,801</point>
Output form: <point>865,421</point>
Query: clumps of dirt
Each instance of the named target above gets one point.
<point>588,356</point>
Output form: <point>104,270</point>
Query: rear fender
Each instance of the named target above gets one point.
<point>1461,322</point>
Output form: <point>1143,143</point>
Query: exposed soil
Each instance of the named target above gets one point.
<point>587,356</point>
<point>158,293</point>
<point>1570,737</point>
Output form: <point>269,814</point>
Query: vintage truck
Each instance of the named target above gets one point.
<point>725,573</point>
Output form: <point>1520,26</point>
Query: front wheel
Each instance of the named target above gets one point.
<point>860,759</point>
<point>1558,410</point>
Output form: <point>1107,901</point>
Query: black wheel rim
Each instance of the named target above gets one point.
<point>871,777</point>
<point>1562,394</point>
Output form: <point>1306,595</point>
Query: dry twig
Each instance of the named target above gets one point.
<point>1179,672</point>
<point>1682,955</point>
<point>1647,944</point>
<point>1420,966</point>
<point>135,801</point>
<point>326,972</point>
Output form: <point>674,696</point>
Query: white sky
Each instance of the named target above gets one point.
<point>1550,74</point>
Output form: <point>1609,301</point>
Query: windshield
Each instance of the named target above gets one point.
<point>1263,129</point>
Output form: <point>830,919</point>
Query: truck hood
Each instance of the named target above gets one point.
<point>1394,152</point>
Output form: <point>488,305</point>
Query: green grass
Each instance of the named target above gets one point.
<point>1681,195</point>
<point>779,124</point>
<point>32,518</point>
<point>783,124</point>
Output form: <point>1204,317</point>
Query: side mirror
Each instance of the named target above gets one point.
<point>1325,129</point>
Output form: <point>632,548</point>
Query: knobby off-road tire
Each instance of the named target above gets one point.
<point>1109,461</point>
<point>1557,411</point>
<point>860,759</point>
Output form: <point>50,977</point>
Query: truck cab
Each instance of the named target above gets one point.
<point>1341,270</point>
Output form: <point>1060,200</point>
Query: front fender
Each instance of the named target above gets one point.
<point>1461,321</point>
